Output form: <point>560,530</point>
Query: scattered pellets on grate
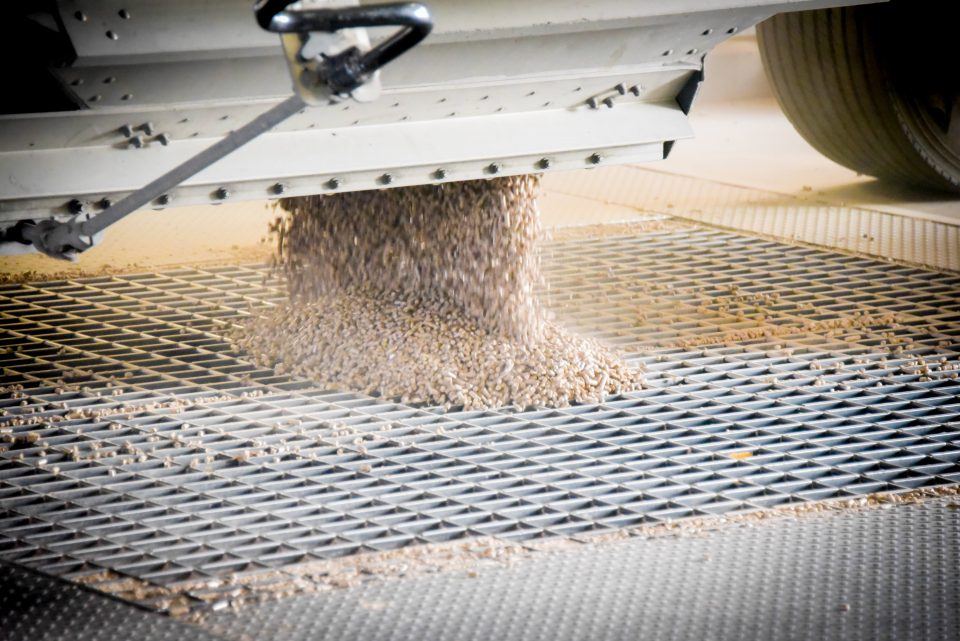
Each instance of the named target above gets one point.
<point>426,294</point>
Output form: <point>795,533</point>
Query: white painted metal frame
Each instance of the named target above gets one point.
<point>500,87</point>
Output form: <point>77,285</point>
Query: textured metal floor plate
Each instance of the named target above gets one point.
<point>143,457</point>
<point>878,575</point>
<point>34,607</point>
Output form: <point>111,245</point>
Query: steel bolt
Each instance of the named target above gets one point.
<point>136,141</point>
<point>386,179</point>
<point>75,206</point>
<point>222,193</point>
<point>147,128</point>
<point>163,139</point>
<point>595,159</point>
<point>163,199</point>
<point>333,183</point>
<point>112,35</point>
<point>635,90</point>
<point>440,174</point>
<point>105,203</point>
<point>592,102</point>
<point>81,16</point>
<point>493,168</point>
<point>621,89</point>
<point>608,101</point>
<point>126,131</point>
<point>544,163</point>
<point>123,13</point>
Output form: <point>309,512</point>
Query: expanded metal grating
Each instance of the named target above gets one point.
<point>142,446</point>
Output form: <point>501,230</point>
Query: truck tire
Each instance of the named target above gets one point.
<point>872,87</point>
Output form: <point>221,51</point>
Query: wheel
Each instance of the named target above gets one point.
<point>872,87</point>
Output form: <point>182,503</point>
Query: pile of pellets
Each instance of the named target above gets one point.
<point>429,295</point>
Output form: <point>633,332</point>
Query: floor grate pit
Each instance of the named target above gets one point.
<point>136,444</point>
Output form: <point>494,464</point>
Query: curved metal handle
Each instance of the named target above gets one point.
<point>414,17</point>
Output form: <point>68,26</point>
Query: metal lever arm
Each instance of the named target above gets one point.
<point>66,239</point>
<point>342,73</point>
<point>352,67</point>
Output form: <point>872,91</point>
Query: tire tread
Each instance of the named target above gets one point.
<point>825,74</point>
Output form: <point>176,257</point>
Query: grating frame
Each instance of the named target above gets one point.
<point>139,447</point>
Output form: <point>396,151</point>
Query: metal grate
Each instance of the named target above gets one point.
<point>907,235</point>
<point>144,448</point>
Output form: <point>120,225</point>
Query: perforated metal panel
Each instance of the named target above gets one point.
<point>167,461</point>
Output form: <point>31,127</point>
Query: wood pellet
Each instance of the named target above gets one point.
<point>426,294</point>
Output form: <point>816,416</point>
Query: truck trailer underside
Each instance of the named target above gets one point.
<point>498,88</point>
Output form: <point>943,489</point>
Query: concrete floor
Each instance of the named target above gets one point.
<point>746,169</point>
